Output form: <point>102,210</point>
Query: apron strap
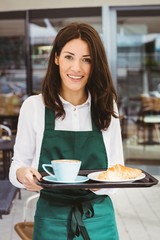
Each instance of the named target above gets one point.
<point>49,119</point>
<point>75,223</point>
<point>94,127</point>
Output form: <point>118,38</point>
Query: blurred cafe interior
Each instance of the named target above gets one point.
<point>131,35</point>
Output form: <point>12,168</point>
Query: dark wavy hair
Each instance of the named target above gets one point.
<point>100,83</point>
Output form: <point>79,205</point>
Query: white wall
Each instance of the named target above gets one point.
<point>11,5</point>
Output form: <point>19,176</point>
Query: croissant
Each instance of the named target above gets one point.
<point>119,172</point>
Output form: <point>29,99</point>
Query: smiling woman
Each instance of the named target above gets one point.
<point>74,64</point>
<point>75,117</point>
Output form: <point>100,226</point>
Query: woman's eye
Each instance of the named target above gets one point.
<point>68,57</point>
<point>87,60</point>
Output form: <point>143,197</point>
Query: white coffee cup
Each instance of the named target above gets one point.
<point>65,170</point>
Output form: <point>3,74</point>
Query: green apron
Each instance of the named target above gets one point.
<point>73,214</point>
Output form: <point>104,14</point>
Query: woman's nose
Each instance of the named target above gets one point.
<point>76,66</point>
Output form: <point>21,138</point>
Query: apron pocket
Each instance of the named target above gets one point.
<point>49,229</point>
<point>101,228</point>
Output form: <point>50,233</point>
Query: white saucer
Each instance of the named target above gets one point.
<point>79,179</point>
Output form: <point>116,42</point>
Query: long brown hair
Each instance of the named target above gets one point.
<point>100,83</point>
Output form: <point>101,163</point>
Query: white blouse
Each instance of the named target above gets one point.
<point>31,127</point>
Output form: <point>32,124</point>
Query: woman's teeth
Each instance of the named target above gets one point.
<point>75,77</point>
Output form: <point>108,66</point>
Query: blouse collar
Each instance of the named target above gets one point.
<point>86,103</point>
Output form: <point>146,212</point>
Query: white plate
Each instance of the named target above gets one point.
<point>94,176</point>
<point>79,179</point>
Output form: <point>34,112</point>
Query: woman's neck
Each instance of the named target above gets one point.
<point>74,98</point>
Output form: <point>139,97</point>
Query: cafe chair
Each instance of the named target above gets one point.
<point>6,149</point>
<point>5,132</point>
<point>148,123</point>
<point>24,229</point>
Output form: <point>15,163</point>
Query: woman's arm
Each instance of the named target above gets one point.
<point>115,151</point>
<point>23,166</point>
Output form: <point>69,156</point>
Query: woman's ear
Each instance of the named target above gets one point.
<point>56,60</point>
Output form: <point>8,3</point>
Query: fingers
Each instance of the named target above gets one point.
<point>36,174</point>
<point>26,176</point>
<point>32,187</point>
<point>92,189</point>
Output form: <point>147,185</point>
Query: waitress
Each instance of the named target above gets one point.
<point>75,117</point>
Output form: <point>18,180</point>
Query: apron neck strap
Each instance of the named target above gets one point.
<point>94,127</point>
<point>49,119</point>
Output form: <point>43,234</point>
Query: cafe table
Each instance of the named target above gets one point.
<point>154,122</point>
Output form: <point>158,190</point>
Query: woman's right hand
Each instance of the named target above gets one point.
<point>26,176</point>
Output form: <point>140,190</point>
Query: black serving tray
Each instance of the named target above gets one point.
<point>148,181</point>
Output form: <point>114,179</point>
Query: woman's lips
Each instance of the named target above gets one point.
<point>75,77</point>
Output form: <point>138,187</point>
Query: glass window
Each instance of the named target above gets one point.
<point>138,82</point>
<point>138,43</point>
<point>12,65</point>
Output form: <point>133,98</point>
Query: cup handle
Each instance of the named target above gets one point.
<point>45,166</point>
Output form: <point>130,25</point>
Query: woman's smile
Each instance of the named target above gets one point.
<point>74,77</point>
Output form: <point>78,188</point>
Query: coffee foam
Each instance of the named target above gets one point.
<point>65,160</point>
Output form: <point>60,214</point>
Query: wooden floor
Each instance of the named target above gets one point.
<point>137,213</point>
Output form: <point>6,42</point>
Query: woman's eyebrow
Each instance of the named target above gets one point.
<point>69,53</point>
<point>88,55</point>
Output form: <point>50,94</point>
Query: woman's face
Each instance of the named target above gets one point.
<point>74,66</point>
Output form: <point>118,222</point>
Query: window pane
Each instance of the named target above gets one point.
<point>12,66</point>
<point>138,71</point>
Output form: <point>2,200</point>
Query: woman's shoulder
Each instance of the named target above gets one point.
<point>34,99</point>
<point>33,102</point>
